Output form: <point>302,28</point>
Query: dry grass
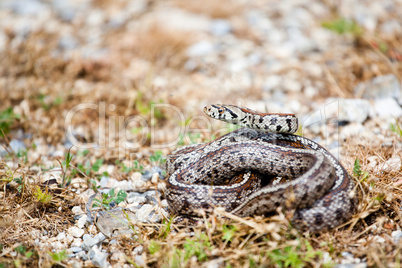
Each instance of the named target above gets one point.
<point>214,9</point>
<point>361,64</point>
<point>163,47</point>
<point>160,46</point>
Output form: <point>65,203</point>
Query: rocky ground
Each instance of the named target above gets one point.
<point>95,94</point>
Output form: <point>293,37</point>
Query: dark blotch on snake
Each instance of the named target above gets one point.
<point>338,214</point>
<point>274,121</point>
<point>318,219</point>
<point>205,206</point>
<point>318,188</point>
<point>226,164</point>
<point>289,122</point>
<point>232,113</point>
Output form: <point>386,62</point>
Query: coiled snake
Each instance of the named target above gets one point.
<point>236,170</point>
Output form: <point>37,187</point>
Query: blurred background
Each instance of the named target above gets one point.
<point>287,56</point>
<point>122,83</point>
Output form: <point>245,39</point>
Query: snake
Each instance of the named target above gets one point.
<point>240,172</point>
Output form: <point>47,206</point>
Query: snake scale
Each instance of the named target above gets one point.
<point>237,170</point>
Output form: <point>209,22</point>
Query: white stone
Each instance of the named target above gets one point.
<point>180,20</point>
<point>387,107</point>
<point>155,178</point>
<point>75,249</point>
<point>396,236</point>
<point>57,245</point>
<point>54,173</point>
<point>354,110</point>
<point>136,7</point>
<point>220,27</point>
<point>61,236</point>
<point>77,210</point>
<point>139,260</point>
<point>77,242</point>
<point>238,65</point>
<point>312,68</point>
<point>98,257</point>
<point>310,91</point>
<point>272,82</point>
<point>81,221</point>
<point>378,239</point>
<point>147,213</point>
<point>110,183</point>
<point>136,176</point>
<point>200,49</point>
<point>291,85</point>
<point>26,7</point>
<point>353,129</point>
<point>118,256</point>
<point>136,198</point>
<point>372,161</point>
<point>69,238</point>
<point>138,250</point>
<point>17,146</point>
<point>78,182</point>
<point>384,86</point>
<point>95,17</point>
<point>92,229</point>
<point>90,241</point>
<point>326,258</point>
<point>75,231</point>
<point>139,184</point>
<point>392,164</point>
<point>164,203</point>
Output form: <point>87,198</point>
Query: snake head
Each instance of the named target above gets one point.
<point>227,113</point>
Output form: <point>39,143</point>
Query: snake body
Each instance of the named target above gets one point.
<point>235,171</point>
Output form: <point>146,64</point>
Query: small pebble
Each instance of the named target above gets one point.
<point>76,249</point>
<point>98,257</point>
<point>396,236</point>
<point>155,178</point>
<point>387,108</point>
<point>136,176</point>
<point>81,221</point>
<point>202,48</point>
<point>90,241</point>
<point>61,236</point>
<point>220,27</point>
<point>17,146</point>
<point>139,260</point>
<point>138,250</point>
<point>77,210</point>
<point>392,164</point>
<point>378,239</point>
<point>136,198</point>
<point>75,231</point>
<point>77,242</point>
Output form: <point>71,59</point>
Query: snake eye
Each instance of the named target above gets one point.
<point>220,110</point>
